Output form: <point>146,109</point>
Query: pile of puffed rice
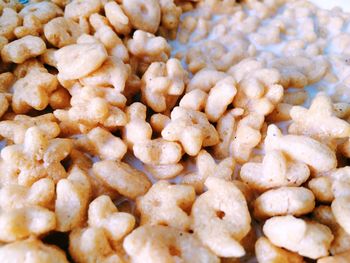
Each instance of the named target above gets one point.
<point>156,131</point>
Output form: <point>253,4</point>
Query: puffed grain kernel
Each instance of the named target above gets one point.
<point>143,14</point>
<point>102,143</point>
<point>158,122</point>
<point>166,204</point>
<point>33,91</point>
<point>338,258</point>
<point>22,49</point>
<point>106,227</point>
<point>275,170</point>
<point>163,80</point>
<point>341,182</point>
<point>226,128</point>
<point>341,210</point>
<point>137,129</point>
<point>113,44</point>
<point>164,171</point>
<point>60,99</point>
<point>300,71</point>
<point>280,113</point>
<point>3,41</point>
<point>62,31</point>
<point>33,250</point>
<point>92,106</point>
<point>78,9</point>
<point>37,157</point>
<point>223,208</point>
<point>148,48</point>
<point>319,121</point>
<point>195,100</point>
<point>41,193</point>
<point>258,88</point>
<point>104,214</point>
<point>205,79</point>
<point>301,148</point>
<point>247,136</point>
<point>295,201</point>
<point>113,73</point>
<point>48,57</point>
<point>266,252</point>
<point>307,238</point>
<point>206,167</point>
<point>4,104</point>
<point>31,26</point>
<point>324,215</point>
<point>9,20</point>
<point>14,130</point>
<point>20,223</point>
<point>44,11</point>
<point>90,245</point>
<point>97,21</point>
<point>165,244</point>
<point>192,129</point>
<point>79,60</point>
<point>170,18</point>
<point>117,18</point>
<point>72,197</point>
<point>121,177</point>
<point>33,64</point>
<point>158,152</point>
<point>322,188</point>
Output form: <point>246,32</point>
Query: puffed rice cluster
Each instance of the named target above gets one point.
<point>174,131</point>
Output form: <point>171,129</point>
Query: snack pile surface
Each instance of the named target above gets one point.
<point>174,131</point>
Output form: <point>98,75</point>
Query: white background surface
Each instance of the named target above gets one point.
<point>329,4</point>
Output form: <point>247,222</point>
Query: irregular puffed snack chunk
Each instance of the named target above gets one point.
<point>148,48</point>
<point>22,49</point>
<point>158,152</point>
<point>258,88</point>
<point>78,9</point>
<point>91,107</point>
<point>137,130</point>
<point>72,197</point>
<point>33,90</point>
<point>295,201</point>
<point>166,204</point>
<point>79,60</point>
<point>161,82</point>
<point>319,121</point>
<point>41,193</point>
<point>20,223</point>
<point>37,157</point>
<point>322,188</point>
<point>192,129</point>
<point>121,177</point>
<point>316,155</point>
<point>117,18</point>
<point>9,20</point>
<point>31,250</point>
<point>44,11</point>
<point>15,129</point>
<point>206,167</point>
<point>159,244</point>
<point>307,238</point>
<point>143,14</point>
<point>106,227</point>
<point>62,31</point>
<point>341,211</point>
<point>113,73</point>
<point>266,252</point>
<point>221,218</point>
<point>274,171</point>
<point>102,143</point>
